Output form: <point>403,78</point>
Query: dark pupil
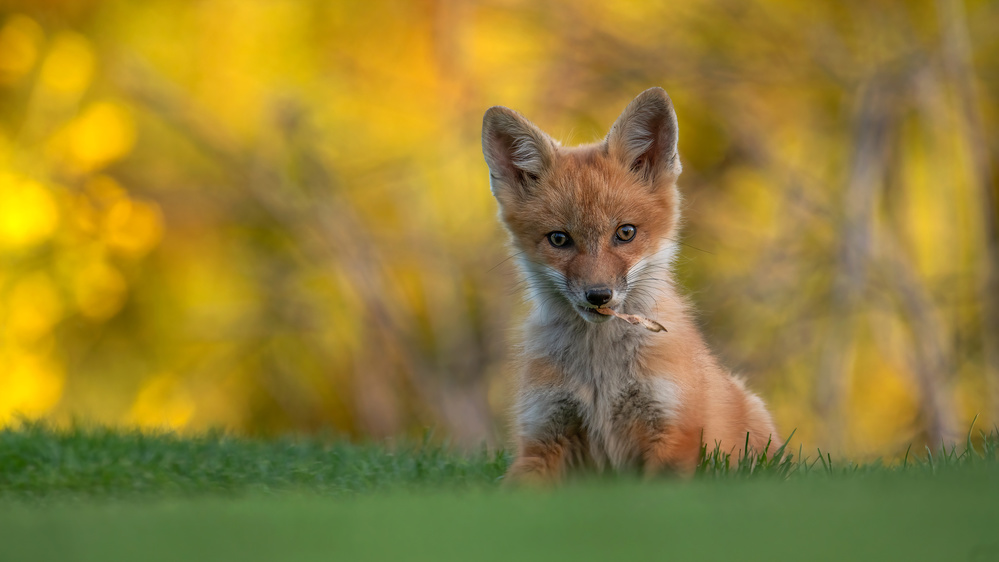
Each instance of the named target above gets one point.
<point>558,238</point>
<point>626,232</point>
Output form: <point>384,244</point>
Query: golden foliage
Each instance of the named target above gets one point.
<point>274,216</point>
<point>28,212</point>
<point>20,38</point>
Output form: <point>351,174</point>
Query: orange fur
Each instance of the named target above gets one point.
<point>595,391</point>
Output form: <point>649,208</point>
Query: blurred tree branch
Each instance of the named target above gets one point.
<point>325,227</point>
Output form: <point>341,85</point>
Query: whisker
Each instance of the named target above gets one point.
<point>510,257</point>
<point>682,243</point>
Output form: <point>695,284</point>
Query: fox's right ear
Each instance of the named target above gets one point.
<point>644,137</point>
<point>517,152</point>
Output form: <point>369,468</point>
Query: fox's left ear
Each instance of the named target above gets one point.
<point>517,152</point>
<point>644,138</point>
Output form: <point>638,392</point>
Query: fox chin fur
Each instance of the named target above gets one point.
<point>597,226</point>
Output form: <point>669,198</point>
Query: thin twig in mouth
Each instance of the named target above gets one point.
<point>650,325</point>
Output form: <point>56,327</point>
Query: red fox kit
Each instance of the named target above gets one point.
<point>594,229</point>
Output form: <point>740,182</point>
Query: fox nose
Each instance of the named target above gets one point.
<point>599,296</point>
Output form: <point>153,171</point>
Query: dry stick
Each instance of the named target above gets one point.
<point>650,325</point>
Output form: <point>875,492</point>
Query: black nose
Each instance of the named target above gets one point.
<point>599,296</point>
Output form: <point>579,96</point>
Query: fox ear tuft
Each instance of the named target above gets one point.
<point>644,138</point>
<point>517,152</point>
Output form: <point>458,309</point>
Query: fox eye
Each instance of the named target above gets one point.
<point>626,232</point>
<point>559,239</point>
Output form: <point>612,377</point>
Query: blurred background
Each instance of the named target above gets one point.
<point>273,216</point>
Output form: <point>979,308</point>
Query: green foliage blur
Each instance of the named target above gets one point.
<point>273,216</point>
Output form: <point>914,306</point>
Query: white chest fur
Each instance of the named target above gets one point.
<point>604,387</point>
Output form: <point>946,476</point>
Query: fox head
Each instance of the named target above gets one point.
<point>594,226</point>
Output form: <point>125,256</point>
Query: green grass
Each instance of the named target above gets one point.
<point>39,463</point>
<point>109,495</point>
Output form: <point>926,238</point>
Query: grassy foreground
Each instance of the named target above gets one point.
<point>39,463</point>
<point>104,495</point>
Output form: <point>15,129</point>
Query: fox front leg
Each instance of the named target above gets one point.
<point>542,462</point>
<point>552,440</point>
<point>669,450</point>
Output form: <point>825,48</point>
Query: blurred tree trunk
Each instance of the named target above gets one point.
<point>870,125</point>
<point>931,359</point>
<point>958,65</point>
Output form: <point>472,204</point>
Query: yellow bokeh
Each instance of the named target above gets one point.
<point>28,212</point>
<point>321,170</point>
<point>883,406</point>
<point>162,402</point>
<point>133,228</point>
<point>99,290</point>
<point>70,64</point>
<point>103,133</point>
<point>34,307</point>
<point>83,214</point>
<point>104,189</point>
<point>128,227</point>
<point>20,39</point>
<point>32,385</point>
